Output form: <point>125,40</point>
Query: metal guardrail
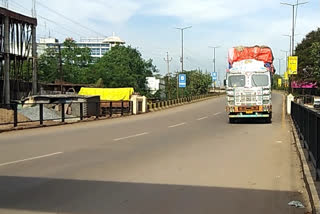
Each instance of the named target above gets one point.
<point>307,123</point>
<point>14,115</point>
<point>165,104</point>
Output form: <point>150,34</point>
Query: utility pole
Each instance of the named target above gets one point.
<point>279,65</point>
<point>293,21</point>
<point>60,69</point>
<point>182,30</point>
<point>5,4</point>
<point>214,60</point>
<point>33,10</point>
<point>167,60</point>
<point>290,46</point>
<point>286,52</point>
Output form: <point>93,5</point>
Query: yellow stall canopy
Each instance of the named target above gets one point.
<point>108,94</point>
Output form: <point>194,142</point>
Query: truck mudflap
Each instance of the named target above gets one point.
<point>255,115</point>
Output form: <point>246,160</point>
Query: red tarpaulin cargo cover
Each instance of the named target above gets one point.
<point>261,53</point>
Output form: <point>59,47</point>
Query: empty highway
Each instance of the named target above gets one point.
<point>183,160</point>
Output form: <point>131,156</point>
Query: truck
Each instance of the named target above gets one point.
<point>248,83</point>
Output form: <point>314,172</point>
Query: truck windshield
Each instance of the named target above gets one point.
<point>236,81</point>
<point>260,80</point>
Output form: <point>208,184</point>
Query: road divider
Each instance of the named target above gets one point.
<point>202,118</point>
<point>176,125</point>
<point>131,136</point>
<point>30,159</point>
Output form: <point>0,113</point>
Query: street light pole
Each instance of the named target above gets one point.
<point>214,60</point>
<point>279,66</point>
<point>293,22</point>
<point>290,47</point>
<point>286,58</point>
<point>182,31</point>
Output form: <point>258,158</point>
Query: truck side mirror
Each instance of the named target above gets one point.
<point>225,82</point>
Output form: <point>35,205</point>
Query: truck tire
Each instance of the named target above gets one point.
<point>269,119</point>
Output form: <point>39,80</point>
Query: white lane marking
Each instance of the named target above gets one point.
<point>173,126</point>
<point>216,114</point>
<point>202,118</point>
<point>29,159</point>
<point>132,136</point>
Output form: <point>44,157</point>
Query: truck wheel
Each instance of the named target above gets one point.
<point>268,120</point>
<point>232,120</point>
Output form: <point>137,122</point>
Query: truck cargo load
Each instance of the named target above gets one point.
<point>108,94</point>
<point>259,53</point>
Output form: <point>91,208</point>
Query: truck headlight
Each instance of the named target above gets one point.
<point>230,93</point>
<point>266,97</point>
<point>266,91</point>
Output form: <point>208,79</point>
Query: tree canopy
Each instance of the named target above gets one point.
<point>75,63</point>
<point>124,67</point>
<point>308,52</point>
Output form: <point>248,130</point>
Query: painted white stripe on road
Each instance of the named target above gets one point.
<point>216,114</point>
<point>132,136</point>
<point>29,159</point>
<point>173,126</point>
<point>202,118</point>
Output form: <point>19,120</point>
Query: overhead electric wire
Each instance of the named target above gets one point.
<point>69,19</point>
<point>49,20</point>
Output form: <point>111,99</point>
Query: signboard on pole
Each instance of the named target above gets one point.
<point>279,82</point>
<point>293,65</point>
<point>182,80</point>
<point>286,75</point>
<point>214,76</point>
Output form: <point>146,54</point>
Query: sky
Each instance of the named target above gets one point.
<point>150,26</point>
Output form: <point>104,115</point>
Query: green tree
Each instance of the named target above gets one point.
<point>124,67</point>
<point>99,83</point>
<point>75,64</point>
<point>48,66</point>
<point>308,53</point>
<point>198,83</point>
<point>75,61</point>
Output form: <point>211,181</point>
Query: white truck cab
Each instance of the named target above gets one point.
<point>248,88</point>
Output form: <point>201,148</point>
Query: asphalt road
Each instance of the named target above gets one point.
<point>186,159</point>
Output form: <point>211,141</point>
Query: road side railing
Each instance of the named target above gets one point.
<point>154,106</point>
<point>31,114</point>
<point>307,123</point>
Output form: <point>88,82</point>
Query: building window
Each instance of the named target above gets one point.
<point>105,45</point>
<point>104,50</point>
<point>95,51</point>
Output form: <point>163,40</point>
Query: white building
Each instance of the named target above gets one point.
<point>46,43</point>
<point>97,46</point>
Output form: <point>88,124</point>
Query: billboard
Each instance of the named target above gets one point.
<point>293,65</point>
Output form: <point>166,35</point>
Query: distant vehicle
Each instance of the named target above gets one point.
<point>248,83</point>
<point>316,103</point>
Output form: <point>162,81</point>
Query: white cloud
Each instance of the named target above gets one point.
<point>207,10</point>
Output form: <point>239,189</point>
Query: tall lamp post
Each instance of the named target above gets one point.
<point>182,31</point>
<point>293,22</point>
<point>214,60</point>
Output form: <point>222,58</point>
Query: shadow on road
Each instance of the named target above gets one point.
<point>48,195</point>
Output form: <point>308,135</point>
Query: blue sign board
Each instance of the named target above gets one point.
<point>182,80</point>
<point>214,76</point>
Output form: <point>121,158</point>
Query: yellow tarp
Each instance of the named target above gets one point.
<point>109,94</point>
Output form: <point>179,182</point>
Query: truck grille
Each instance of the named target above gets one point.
<point>248,99</point>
